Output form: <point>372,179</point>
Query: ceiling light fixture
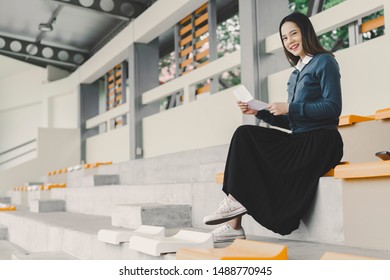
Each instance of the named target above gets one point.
<point>45,27</point>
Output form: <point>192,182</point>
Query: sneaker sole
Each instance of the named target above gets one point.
<point>224,239</point>
<point>225,219</point>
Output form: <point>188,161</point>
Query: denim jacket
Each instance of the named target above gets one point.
<point>314,97</point>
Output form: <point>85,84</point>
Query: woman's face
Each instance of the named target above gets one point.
<point>292,39</point>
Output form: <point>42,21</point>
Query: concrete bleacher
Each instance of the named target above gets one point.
<point>186,179</point>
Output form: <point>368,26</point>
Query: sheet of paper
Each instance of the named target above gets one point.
<point>242,94</point>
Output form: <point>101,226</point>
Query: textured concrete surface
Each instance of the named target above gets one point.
<point>76,234</point>
<point>3,232</point>
<point>7,249</point>
<point>19,198</point>
<point>5,199</point>
<point>156,214</point>
<point>47,205</point>
<point>43,256</point>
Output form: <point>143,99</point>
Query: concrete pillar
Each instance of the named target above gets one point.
<point>258,20</point>
<point>89,108</point>
<point>143,76</point>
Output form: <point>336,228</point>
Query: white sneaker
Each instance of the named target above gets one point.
<point>226,233</point>
<point>228,209</point>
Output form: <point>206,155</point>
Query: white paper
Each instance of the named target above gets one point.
<point>242,94</point>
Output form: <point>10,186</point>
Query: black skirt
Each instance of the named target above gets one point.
<point>275,175</point>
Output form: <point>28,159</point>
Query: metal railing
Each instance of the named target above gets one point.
<point>18,152</point>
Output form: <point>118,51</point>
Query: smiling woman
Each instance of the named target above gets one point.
<point>273,175</point>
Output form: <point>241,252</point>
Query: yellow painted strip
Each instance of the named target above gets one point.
<point>201,19</point>
<point>382,114</point>
<point>187,18</point>
<point>373,24</point>
<point>206,88</point>
<point>351,119</point>
<point>186,51</point>
<point>219,178</point>
<point>201,31</point>
<point>363,170</point>
<point>186,62</point>
<point>240,249</point>
<point>111,78</point>
<point>185,29</point>
<point>8,208</point>
<point>201,8</point>
<point>201,43</point>
<point>201,55</point>
<point>186,40</point>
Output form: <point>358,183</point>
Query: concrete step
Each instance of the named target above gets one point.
<point>19,198</point>
<point>158,245</point>
<point>323,222</point>
<point>38,195</point>
<point>193,166</point>
<point>156,214</point>
<point>3,233</point>
<point>76,234</point>
<point>7,249</point>
<point>47,205</point>
<point>43,256</point>
<point>72,233</point>
<point>117,236</point>
<point>372,135</point>
<point>101,200</point>
<point>100,180</point>
<point>5,199</point>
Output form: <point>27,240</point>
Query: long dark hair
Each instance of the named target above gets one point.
<point>310,42</point>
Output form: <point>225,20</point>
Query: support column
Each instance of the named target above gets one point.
<point>258,20</point>
<point>213,40</point>
<point>89,108</point>
<point>143,76</point>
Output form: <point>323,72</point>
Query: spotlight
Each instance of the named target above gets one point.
<point>45,27</point>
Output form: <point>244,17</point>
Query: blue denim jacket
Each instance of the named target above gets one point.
<point>314,97</point>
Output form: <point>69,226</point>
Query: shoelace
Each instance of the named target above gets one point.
<point>223,205</point>
<point>221,229</point>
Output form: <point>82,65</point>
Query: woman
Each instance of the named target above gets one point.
<point>273,175</point>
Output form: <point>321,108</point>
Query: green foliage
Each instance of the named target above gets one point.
<point>228,35</point>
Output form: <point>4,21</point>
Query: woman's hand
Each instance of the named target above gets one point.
<point>244,107</point>
<point>278,108</point>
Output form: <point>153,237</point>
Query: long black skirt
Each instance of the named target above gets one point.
<point>275,175</point>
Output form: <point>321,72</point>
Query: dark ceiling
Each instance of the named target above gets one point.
<point>62,33</point>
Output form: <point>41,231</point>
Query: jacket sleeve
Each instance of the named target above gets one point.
<point>279,121</point>
<point>328,74</point>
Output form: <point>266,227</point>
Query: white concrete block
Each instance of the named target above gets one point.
<point>19,198</point>
<point>166,215</point>
<point>3,232</point>
<point>47,205</point>
<point>119,236</point>
<point>156,246</point>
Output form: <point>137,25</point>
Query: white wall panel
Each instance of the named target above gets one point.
<point>111,146</point>
<point>203,123</point>
<point>63,111</point>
